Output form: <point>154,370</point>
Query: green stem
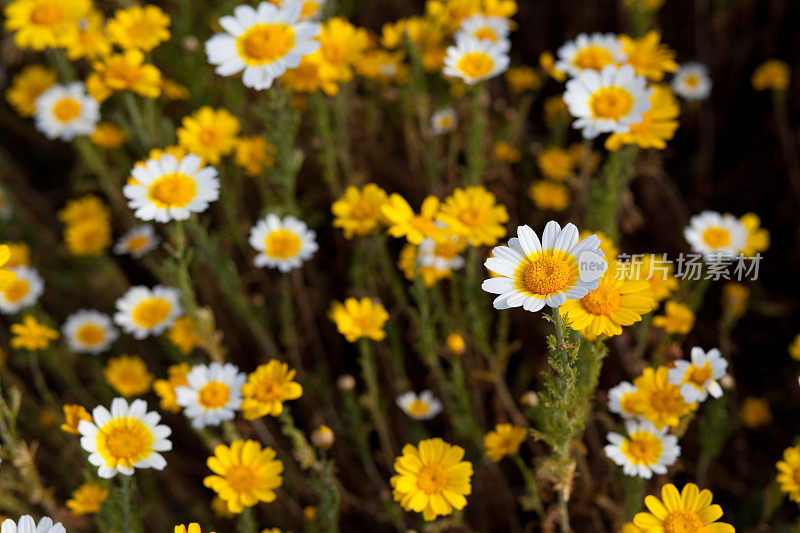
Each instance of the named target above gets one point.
<point>531,485</point>
<point>247,521</point>
<point>330,169</point>
<point>370,375</point>
<point>476,160</point>
<point>125,503</point>
<point>605,193</point>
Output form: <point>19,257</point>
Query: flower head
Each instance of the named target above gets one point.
<point>66,111</point>
<point>699,376</point>
<point>341,46</point>
<point>186,334</point>
<point>555,163</point>
<point>444,120</point>
<point>26,87</point>
<point>357,319</point>
<point>590,52</point>
<point>644,451</point>
<point>108,135</point>
<point>473,213</point>
<point>691,82</point>
<point>137,241</point>
<point>27,524</point>
<point>658,123</point>
<point>492,29</point>
<point>475,60</point>
<point>21,291</point>
<point>358,211</point>
<point>658,400</point>
<point>757,237</point>
<point>772,74</point>
<point>284,244</point>
<point>521,79</point>
<point>716,236</point>
<point>128,375</point>
<point>649,56</point>
<point>89,331</point>
<point>404,222</point>
<point>31,335</point>
<point>143,312</point>
<point>212,394</point>
<point>165,388</point>
<point>755,412</point>
<point>209,133</point>
<point>87,498</point>
<point>90,40</point>
<point>419,407</point>
<point>623,400</point>
<point>255,155</point>
<point>73,414</point>
<point>194,527</point>
<point>124,72</point>
<point>689,510</point>
<point>40,24</point>
<point>504,440</point>
<point>549,195</point>
<point>677,318</point>
<point>789,473</point>
<point>140,27</point>
<point>267,387</point>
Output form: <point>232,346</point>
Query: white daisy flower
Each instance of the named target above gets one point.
<point>66,111</point>
<point>213,394</point>
<point>143,312</point>
<point>444,120</point>
<point>263,42</point>
<point>440,255</point>
<point>644,451</point>
<point>692,82</point>
<point>474,60</point>
<point>492,29</point>
<point>125,438</point>
<point>167,189</point>
<point>89,331</point>
<point>715,236</point>
<point>609,101</point>
<point>137,241</point>
<point>533,273</point>
<point>592,52</point>
<point>699,376</point>
<point>419,407</point>
<point>27,524</point>
<point>282,244</point>
<point>24,291</point>
<point>6,209</point>
<point>621,400</point>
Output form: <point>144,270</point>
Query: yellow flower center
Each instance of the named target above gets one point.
<point>265,43</point>
<point>362,210</point>
<point>137,243</point>
<point>90,334</point>
<point>642,448</point>
<point>445,122</point>
<point>716,237</point>
<point>310,8</point>
<point>698,375</point>
<point>124,442</point>
<point>418,408</point>
<point>282,244</point>
<point>47,13</point>
<point>151,312</point>
<point>475,65</point>
<point>172,190</point>
<point>445,250</point>
<point>214,395</point>
<point>67,109</point>
<point>603,301</point>
<point>269,390</point>
<point>611,103</point>
<point>593,57</point>
<point>683,521</point>
<point>691,80</point>
<point>474,217</point>
<point>16,290</point>
<point>546,275</point>
<point>242,479</point>
<point>432,478</point>
<point>628,403</point>
<point>666,400</point>
<point>486,34</point>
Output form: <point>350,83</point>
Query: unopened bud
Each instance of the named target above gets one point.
<point>346,383</point>
<point>322,437</point>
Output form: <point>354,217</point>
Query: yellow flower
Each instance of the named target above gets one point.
<point>18,254</point>
<point>734,298</point>
<point>616,302</point>
<point>86,499</point>
<point>89,237</point>
<point>383,66</point>
<point>689,511</point>
<point>73,414</point>
<point>789,473</point>
<point>772,74</point>
<point>549,195</point>
<point>194,527</point>
<point>522,79</point>
<point>128,375</point>
<point>26,87</point>
<point>455,343</point>
<point>505,152</point>
<point>660,274</point>
<point>31,335</point>
<point>677,318</point>
<point>124,72</point>
<point>84,209</point>
<point>658,400</point>
<point>309,76</point>
<point>629,528</point>
<point>41,24</point>
<point>658,124</point>
<point>358,211</point>
<point>90,40</point>
<point>403,222</point>
<point>432,479</point>
<point>500,8</point>
<point>245,474</point>
<point>755,412</point>
<point>209,133</point>
<point>357,319</point>
<point>108,135</point>
<point>473,213</point>
<point>311,8</point>
<point>185,334</point>
<point>142,27</point>
<point>555,163</point>
<point>341,46</point>
<point>794,348</point>
<point>165,388</point>
<point>757,237</point>
<point>504,440</point>
<point>6,276</point>
<point>408,263</point>
<point>254,155</point>
<point>548,64</point>
<point>174,90</point>
<point>267,387</point>
<point>648,56</point>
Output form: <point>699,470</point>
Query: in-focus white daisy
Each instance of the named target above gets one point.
<point>282,243</point>
<point>6,209</point>
<point>474,60</point>
<point>441,255</point>
<point>419,407</point>
<point>532,273</point>
<point>699,376</point>
<point>444,120</point>
<point>143,312</point>
<point>592,52</point>
<point>622,400</point>
<point>66,111</point>
<point>213,394</point>
<point>692,82</point>
<point>715,236</point>
<point>125,438</point>
<point>27,524</point>
<point>263,42</point>
<point>609,101</point>
<point>137,241</point>
<point>492,29</point>
<point>645,451</point>
<point>89,331</point>
<point>167,189</point>
<point>24,291</point>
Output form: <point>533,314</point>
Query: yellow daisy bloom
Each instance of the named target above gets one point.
<point>90,40</point>
<point>504,440</point>
<point>26,87</point>
<point>108,135</point>
<point>142,27</point>
<point>358,211</point>
<point>255,155</point>
<point>174,90</point>
<point>31,335</point>
<point>555,163</point>
<point>757,237</point>
<point>548,195</point>
<point>789,473</point>
<point>73,414</point>
<point>629,528</point>
<point>690,510</point>
<point>6,276</point>
<point>432,479</point>
<point>474,214</point>
<point>503,151</point>
<point>165,388</point>
<point>521,79</point>
<point>648,56</point>
<point>124,72</point>
<point>19,254</point>
<point>383,66</point>
<point>455,343</point>
<point>83,209</point>
<point>755,412</point>
<point>659,274</point>
<point>677,318</point>
<point>185,334</point>
<point>267,387</point>
<point>658,400</point>
<point>356,319</point>
<point>772,74</point>
<point>403,222</point>
<point>244,474</point>
<point>87,498</point>
<point>128,375</point>
<point>88,238</point>
<point>310,76</point>
<point>658,124</point>
<point>194,527</point>
<point>341,46</point>
<point>209,133</point>
<point>40,24</point>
